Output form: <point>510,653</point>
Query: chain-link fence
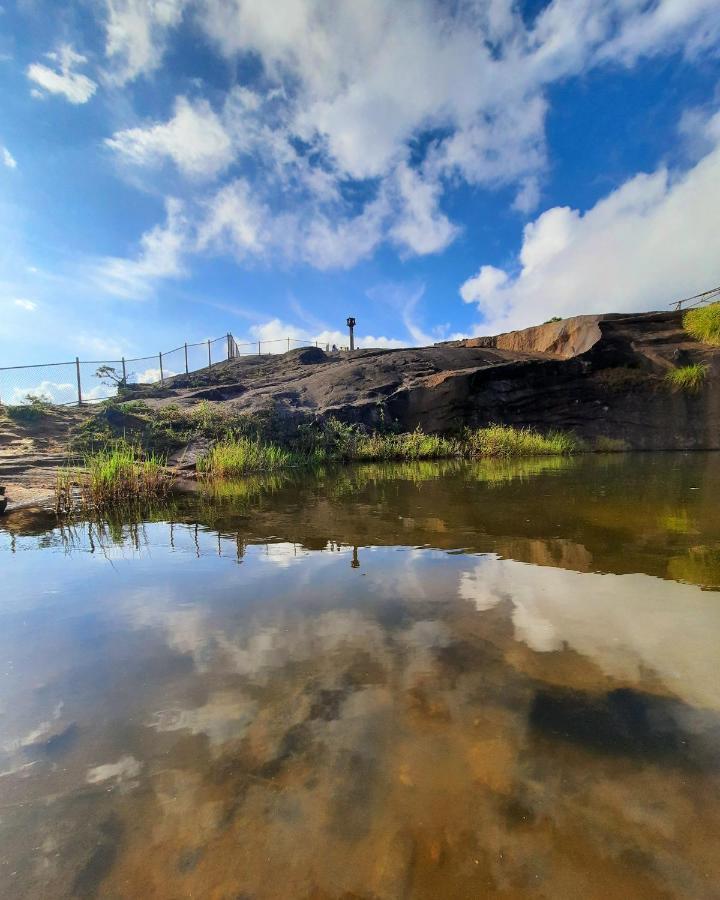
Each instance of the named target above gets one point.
<point>88,381</point>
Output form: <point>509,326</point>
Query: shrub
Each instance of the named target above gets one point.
<point>35,407</point>
<point>703,323</point>
<point>687,378</point>
<point>506,441</point>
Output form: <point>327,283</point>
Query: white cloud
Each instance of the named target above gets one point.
<point>63,79</point>
<point>420,226</point>
<point>528,195</point>
<point>274,333</point>
<point>57,392</point>
<point>366,113</point>
<point>7,158</point>
<point>27,305</point>
<point>135,34</point>
<point>234,220</point>
<point>194,139</point>
<point>161,256</point>
<point>648,242</point>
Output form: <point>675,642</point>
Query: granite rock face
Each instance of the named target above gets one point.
<point>600,376</point>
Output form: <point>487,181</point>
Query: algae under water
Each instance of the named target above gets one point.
<point>433,680</point>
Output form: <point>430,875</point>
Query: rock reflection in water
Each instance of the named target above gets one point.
<point>371,720</point>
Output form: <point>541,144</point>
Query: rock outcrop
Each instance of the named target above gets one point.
<point>600,376</point>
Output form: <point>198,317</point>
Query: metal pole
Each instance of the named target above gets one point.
<point>227,341</point>
<point>258,348</point>
<point>288,345</point>
<point>162,380</point>
<point>209,357</point>
<point>124,371</point>
<point>187,371</point>
<point>77,370</point>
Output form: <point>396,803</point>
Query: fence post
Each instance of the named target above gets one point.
<point>209,357</point>
<point>77,370</point>
<point>288,345</point>
<point>162,380</point>
<point>124,371</point>
<point>229,349</point>
<point>187,371</point>
<point>258,348</point>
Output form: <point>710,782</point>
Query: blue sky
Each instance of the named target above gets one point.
<point>171,170</point>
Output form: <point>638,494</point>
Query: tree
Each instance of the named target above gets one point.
<point>110,376</point>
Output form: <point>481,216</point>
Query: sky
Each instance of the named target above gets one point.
<point>172,170</point>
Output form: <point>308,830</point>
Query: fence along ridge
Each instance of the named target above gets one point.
<point>77,381</point>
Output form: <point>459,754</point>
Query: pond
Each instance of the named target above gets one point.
<point>435,680</point>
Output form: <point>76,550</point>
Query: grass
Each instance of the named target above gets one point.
<point>687,378</point>
<point>337,442</point>
<point>240,455</point>
<point>413,445</point>
<point>506,442</point>
<point>703,323</point>
<point>116,478</point>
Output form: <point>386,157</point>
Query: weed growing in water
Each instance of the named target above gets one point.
<point>238,455</point>
<point>506,441</point>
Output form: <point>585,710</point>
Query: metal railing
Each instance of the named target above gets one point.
<point>698,299</point>
<point>88,381</point>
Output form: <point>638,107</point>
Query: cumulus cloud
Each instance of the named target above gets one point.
<point>135,33</point>
<point>194,139</point>
<point>273,335</point>
<point>62,78</point>
<point>160,256</point>
<point>366,114</point>
<point>7,158</point>
<point>648,242</point>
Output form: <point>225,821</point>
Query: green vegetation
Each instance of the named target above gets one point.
<point>240,455</point>
<point>120,477</point>
<point>508,442</point>
<point>687,378</point>
<point>335,441</point>
<point>35,408</point>
<point>553,319</point>
<point>703,323</point>
<point>411,446</point>
<point>166,428</point>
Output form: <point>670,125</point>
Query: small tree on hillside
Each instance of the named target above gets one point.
<point>110,376</point>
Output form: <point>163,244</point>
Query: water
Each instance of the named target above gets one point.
<point>427,681</point>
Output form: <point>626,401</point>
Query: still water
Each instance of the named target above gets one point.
<point>414,681</point>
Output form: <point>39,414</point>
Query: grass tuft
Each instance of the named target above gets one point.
<point>703,323</point>
<point>687,378</point>
<point>507,442</point>
<point>239,455</point>
<point>112,479</point>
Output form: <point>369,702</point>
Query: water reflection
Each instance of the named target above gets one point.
<point>301,688</point>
